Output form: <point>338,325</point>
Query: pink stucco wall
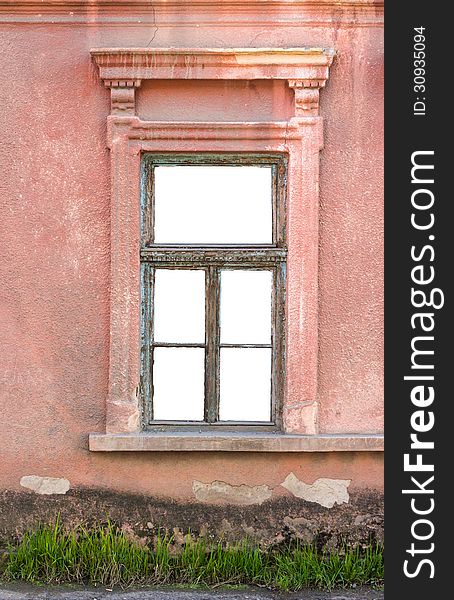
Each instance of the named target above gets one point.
<point>54,215</point>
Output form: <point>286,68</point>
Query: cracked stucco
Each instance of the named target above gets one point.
<point>233,494</point>
<point>326,492</point>
<point>45,485</point>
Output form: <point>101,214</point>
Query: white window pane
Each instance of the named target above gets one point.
<point>246,307</point>
<point>178,384</point>
<point>213,204</point>
<point>179,306</point>
<point>245,388</point>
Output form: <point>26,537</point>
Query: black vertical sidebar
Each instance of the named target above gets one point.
<point>419,355</point>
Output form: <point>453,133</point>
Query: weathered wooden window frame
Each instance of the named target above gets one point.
<point>212,258</point>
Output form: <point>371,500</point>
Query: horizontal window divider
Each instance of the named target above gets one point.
<point>245,346</point>
<point>247,256</point>
<point>215,247</point>
<point>176,345</point>
<point>227,246</point>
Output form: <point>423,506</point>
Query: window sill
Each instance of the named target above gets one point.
<point>233,442</point>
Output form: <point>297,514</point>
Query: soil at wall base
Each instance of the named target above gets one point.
<point>274,522</point>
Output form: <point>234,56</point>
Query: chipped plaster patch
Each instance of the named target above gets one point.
<point>133,421</point>
<point>302,418</point>
<point>45,485</point>
<point>233,494</point>
<point>326,492</point>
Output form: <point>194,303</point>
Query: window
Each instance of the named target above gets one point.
<point>213,285</point>
<point>141,245</point>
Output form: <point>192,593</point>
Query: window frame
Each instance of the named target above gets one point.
<point>212,258</point>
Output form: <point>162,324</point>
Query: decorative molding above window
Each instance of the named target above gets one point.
<point>123,69</point>
<point>213,63</point>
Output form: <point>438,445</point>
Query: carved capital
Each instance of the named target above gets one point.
<point>306,95</point>
<point>122,95</point>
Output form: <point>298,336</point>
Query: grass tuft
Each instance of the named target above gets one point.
<point>106,556</point>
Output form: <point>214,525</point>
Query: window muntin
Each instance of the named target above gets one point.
<point>243,305</point>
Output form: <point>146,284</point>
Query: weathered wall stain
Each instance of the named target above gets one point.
<point>301,528</point>
<point>234,494</point>
<point>276,521</point>
<point>326,492</point>
<point>45,485</point>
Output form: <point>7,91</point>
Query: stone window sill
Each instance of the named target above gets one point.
<point>233,442</point>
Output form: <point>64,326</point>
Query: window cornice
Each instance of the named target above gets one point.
<point>214,63</point>
<point>123,69</point>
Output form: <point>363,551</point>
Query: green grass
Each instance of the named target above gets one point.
<point>106,556</point>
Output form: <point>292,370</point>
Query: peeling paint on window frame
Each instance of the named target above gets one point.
<point>212,258</point>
